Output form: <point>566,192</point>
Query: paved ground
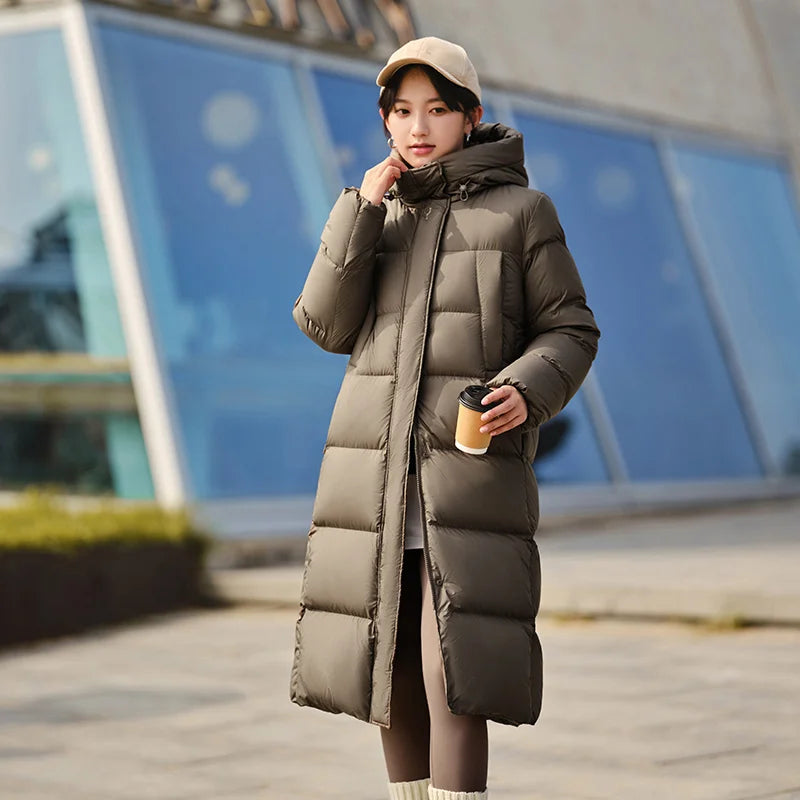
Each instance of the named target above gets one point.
<point>195,705</point>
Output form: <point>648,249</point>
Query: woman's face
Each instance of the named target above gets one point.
<point>422,126</point>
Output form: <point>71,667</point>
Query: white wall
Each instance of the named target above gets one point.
<point>727,66</point>
<point>777,23</point>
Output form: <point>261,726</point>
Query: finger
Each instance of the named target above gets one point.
<point>494,421</point>
<point>508,426</point>
<point>496,394</point>
<point>388,177</point>
<point>500,420</point>
<point>504,408</point>
<point>393,166</point>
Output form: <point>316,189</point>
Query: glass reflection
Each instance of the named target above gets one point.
<point>568,451</point>
<point>56,293</point>
<point>228,206</point>
<point>72,452</point>
<point>745,215</point>
<point>660,367</point>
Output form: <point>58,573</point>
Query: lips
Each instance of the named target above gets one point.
<point>421,148</point>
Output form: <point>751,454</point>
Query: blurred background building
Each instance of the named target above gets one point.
<point>166,171</point>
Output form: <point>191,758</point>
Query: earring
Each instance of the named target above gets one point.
<point>469,133</point>
<point>390,142</point>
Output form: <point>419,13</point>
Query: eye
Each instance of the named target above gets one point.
<point>401,111</point>
<point>440,108</point>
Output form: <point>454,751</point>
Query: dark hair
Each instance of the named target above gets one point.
<point>455,97</point>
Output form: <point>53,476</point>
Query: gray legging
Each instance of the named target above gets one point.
<point>426,738</point>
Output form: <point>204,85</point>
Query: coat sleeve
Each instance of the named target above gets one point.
<point>561,327</point>
<point>333,304</point>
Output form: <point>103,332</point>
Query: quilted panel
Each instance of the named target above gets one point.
<point>507,561</point>
<point>377,355</point>
<point>350,489</point>
<point>361,415</point>
<point>488,661</point>
<point>454,343</point>
<point>467,491</point>
<point>342,571</point>
<point>334,672</point>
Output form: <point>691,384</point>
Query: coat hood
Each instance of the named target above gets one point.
<point>495,155</point>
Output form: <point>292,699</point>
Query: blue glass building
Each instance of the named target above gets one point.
<point>163,186</point>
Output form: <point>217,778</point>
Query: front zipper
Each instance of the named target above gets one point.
<point>425,550</point>
<point>405,477</point>
<point>405,494</point>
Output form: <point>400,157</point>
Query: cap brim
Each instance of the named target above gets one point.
<point>390,69</point>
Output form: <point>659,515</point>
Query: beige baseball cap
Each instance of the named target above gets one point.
<point>450,59</point>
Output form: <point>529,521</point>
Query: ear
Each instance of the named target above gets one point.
<point>477,115</point>
<point>473,118</point>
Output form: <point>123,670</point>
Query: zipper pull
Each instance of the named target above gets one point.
<point>462,194</point>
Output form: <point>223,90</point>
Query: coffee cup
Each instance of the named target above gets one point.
<point>469,438</point>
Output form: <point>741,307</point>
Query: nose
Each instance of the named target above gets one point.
<point>419,126</point>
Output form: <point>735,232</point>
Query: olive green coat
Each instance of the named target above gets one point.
<point>462,275</point>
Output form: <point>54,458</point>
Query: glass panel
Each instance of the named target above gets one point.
<point>228,207</point>
<point>568,451</point>
<point>56,292</point>
<point>745,214</point>
<point>83,453</point>
<point>351,110</point>
<point>660,367</point>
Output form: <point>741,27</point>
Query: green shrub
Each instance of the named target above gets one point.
<point>40,522</point>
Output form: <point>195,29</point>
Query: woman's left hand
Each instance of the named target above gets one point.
<point>511,412</point>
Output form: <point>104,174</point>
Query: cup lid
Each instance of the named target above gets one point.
<point>472,395</point>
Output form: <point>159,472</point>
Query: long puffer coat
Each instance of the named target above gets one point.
<point>461,275</point>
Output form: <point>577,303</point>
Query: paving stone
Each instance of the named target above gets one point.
<point>196,704</point>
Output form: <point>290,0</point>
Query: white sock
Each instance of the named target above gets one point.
<point>444,794</point>
<point>409,790</point>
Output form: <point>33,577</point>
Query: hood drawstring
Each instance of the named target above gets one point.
<point>463,194</point>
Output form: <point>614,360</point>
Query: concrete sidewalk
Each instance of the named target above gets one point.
<point>731,567</point>
<point>195,706</point>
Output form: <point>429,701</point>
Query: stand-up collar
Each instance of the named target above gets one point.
<point>495,155</point>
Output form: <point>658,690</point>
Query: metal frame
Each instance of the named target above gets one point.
<point>259,516</point>
<point>156,411</point>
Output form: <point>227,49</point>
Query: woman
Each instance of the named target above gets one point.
<point>421,582</point>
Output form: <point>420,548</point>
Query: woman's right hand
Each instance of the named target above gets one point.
<point>378,179</point>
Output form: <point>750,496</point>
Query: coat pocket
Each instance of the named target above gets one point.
<point>489,273</point>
